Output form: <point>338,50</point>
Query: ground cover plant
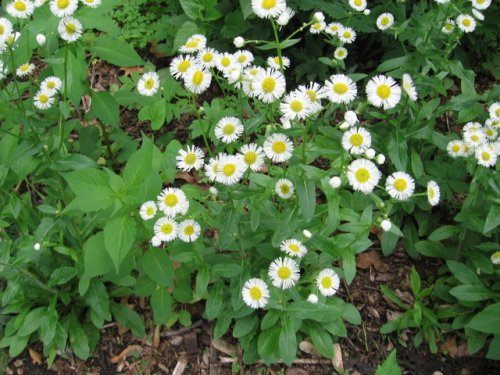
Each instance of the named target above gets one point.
<point>294,150</point>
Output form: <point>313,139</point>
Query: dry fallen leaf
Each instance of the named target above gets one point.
<point>224,347</point>
<point>308,348</point>
<point>296,371</point>
<point>451,348</point>
<point>180,366</point>
<point>36,358</point>
<point>337,361</point>
<point>369,259</point>
<point>128,351</point>
<point>156,337</point>
<point>133,69</point>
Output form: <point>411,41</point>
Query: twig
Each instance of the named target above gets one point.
<point>299,361</point>
<point>182,330</point>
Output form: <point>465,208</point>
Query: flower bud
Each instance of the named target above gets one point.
<point>41,39</point>
<point>350,117</point>
<point>239,42</point>
<point>285,123</point>
<point>313,298</point>
<point>306,233</point>
<point>386,225</point>
<point>370,153</point>
<point>335,182</point>
<point>36,246</point>
<point>213,190</point>
<point>367,12</point>
<point>318,17</point>
<point>380,159</point>
<point>155,241</point>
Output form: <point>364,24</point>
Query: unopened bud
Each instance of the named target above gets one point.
<point>306,233</point>
<point>313,298</point>
<point>36,246</point>
<point>386,225</point>
<point>41,39</point>
<point>370,153</point>
<point>380,159</point>
<point>239,42</point>
<point>335,182</point>
<point>213,190</point>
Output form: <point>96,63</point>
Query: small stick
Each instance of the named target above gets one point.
<point>182,330</point>
<point>299,361</point>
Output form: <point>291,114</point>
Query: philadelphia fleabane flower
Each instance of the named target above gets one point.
<point>363,175</point>
<point>20,8</point>
<point>449,26</point>
<point>409,87</point>
<point>433,193</point>
<point>400,186</point>
<point>148,84</point>
<point>274,62</point>
<point>51,84</point>
<point>269,85</point>
<point>207,57</point>
<point>192,158</point>
<point>317,27</point>
<point>494,110</point>
<point>172,201</point>
<point>25,69</point>
<point>230,169</point>
<point>295,106</point>
<point>474,138</point>
<point>180,65</point>
<point>455,148</point>
<point>43,100</point>
<point>472,126</point>
<point>356,140</point>
<point>63,8</point>
<point>466,23</point>
<point>383,92</point>
<point>285,16</point>
<point>253,156</point>
<point>188,230</point>
<point>70,29</point>
<point>243,58</point>
<point>293,247</point>
<point>346,35</point>
<point>385,21</point>
<point>284,188</point>
<point>165,229</point>
<point>91,3</point>
<point>340,89</point>
<point>359,5</point>
<point>284,273</point>
<point>148,210</point>
<point>481,4</point>
<point>5,28</point>
<point>278,147</point>
<point>268,8</point>
<point>490,132</point>
<point>197,80</point>
<point>486,155</point>
<point>255,293</point>
<point>340,53</point>
<point>225,61</point>
<point>333,28</point>
<point>194,43</point>
<point>328,282</point>
<point>229,129</point>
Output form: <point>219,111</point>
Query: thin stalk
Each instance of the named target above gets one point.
<point>278,46</point>
<point>19,103</point>
<point>203,133</point>
<point>65,92</point>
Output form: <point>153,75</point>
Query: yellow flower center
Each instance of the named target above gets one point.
<point>317,26</point>
<point>279,147</point>
<point>149,84</point>
<point>20,6</point>
<point>284,273</point>
<point>198,77</point>
<point>255,293</point>
<point>474,137</point>
<point>485,156</point>
<point>184,65</point>
<point>242,58</point>
<point>358,2</point>
<point>62,4</point>
<point>356,140</point>
<point>431,193</point>
<point>384,21</point>
<point>2,29</point>
<point>455,148</point>
<point>268,4</point>
<point>340,53</point>
<point>229,170</point>
<point>150,211</point>
<point>489,132</point>
<point>400,184</point>
<point>362,175</point>
<point>448,26</point>
<point>43,98</point>
<point>225,61</point>
<point>347,34</point>
<point>334,28</point>
<point>70,28</point>
<point>250,157</point>
<point>312,95</point>
<point>167,228</point>
<point>268,84</point>
<point>480,1</point>
<point>384,91</point>
<point>51,85</point>
<point>190,158</point>
<point>171,200</point>
<point>340,88</point>
<point>466,22</point>
<point>188,230</point>
<point>207,57</point>
<point>326,282</point>
<point>296,105</point>
<point>24,67</point>
<point>228,129</point>
<point>285,189</point>
<point>497,112</point>
<point>192,44</point>
<point>294,247</point>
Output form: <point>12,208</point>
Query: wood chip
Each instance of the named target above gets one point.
<point>369,259</point>
<point>36,358</point>
<point>224,347</point>
<point>156,337</point>
<point>337,361</point>
<point>308,348</point>
<point>180,366</point>
<point>296,371</point>
<point>191,342</point>
<point>128,351</point>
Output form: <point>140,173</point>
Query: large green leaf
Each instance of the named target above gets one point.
<point>139,164</point>
<point>119,236</point>
<point>161,302</point>
<point>390,366</point>
<point>105,107</point>
<point>128,318</point>
<point>473,293</point>
<point>96,260</point>
<point>488,320</point>
<point>306,191</point>
<point>287,340</point>
<point>91,189</point>
<point>115,51</point>
<point>268,343</point>
<point>158,266</point>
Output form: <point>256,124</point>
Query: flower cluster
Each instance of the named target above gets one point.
<point>466,23</point>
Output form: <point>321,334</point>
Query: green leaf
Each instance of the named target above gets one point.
<point>321,339</point>
<point>222,325</point>
<point>96,260</point>
<point>202,279</point>
<point>119,236</point>
<point>390,366</point>
<point>91,189</point>
<point>487,321</point>
<point>105,107</point>
<point>245,325</point>
<point>415,281</point>
<point>32,321</point>
<point>187,29</point>
<point>493,218</point>
<point>444,232</point>
<point>268,343</point>
<point>494,349</point>
<point>246,8</point>
<point>214,302</point>
<point>392,64</point>
<point>115,51</point>
<point>472,293</point>
<point>416,165</point>
<point>463,273</point>
<point>78,338</point>
<point>128,318</point>
<point>154,112</point>
<point>270,319</point>
<point>158,266</point>
<point>349,264</point>
<point>192,8</point>
<point>319,312</point>
<point>306,191</point>
<point>161,302</point>
<point>139,165</point>
<point>287,340</point>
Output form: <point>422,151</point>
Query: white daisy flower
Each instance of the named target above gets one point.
<point>474,138</point>
<point>207,57</point>
<point>314,93</point>
<point>455,148</point>
<point>295,106</point>
<point>43,100</point>
<point>490,132</point>
<point>494,110</point>
<point>386,225</point>
<point>180,65</point>
<point>268,8</point>
<point>165,229</point>
<point>234,76</point>
<point>334,28</point>
<point>495,257</point>
<point>20,9</point>
<point>346,35</point>
<point>400,185</point>
<point>212,167</point>
<point>229,129</point>
<point>385,21</point>
<point>63,8</point>
<point>466,23</point>
<point>285,16</point>
<point>356,140</point>
<point>409,87</point>
<point>293,247</point>
<point>359,5</point>
<point>230,169</point>
<point>194,43</point>
<point>148,210</point>
<point>225,61</point>
<point>172,201</point>
<point>481,4</point>
<point>433,193</point>
<point>197,79</point>
<point>188,230</point>
<point>363,175</point>
<point>274,62</point>
<point>278,148</point>
<point>328,282</point>
<point>472,126</point>
<point>284,273</point>
<point>148,84</point>
<point>255,293</point>
<point>70,29</point>
<point>340,89</point>
<point>269,85</point>
<point>248,84</point>
<point>340,53</point>
<point>383,91</point>
<point>318,17</point>
<point>449,26</point>
<point>192,158</point>
<point>51,84</point>
<point>351,118</point>
<point>5,28</point>
<point>317,27</point>
<point>284,188</point>
<point>25,69</point>
<point>486,155</point>
<point>253,156</point>
<point>91,3</point>
<point>243,58</point>
<point>478,14</point>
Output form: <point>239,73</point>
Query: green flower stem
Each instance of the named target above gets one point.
<point>19,103</point>
<point>304,141</point>
<point>278,46</point>
<point>65,92</point>
<point>203,133</point>
<point>215,75</point>
<point>299,30</point>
